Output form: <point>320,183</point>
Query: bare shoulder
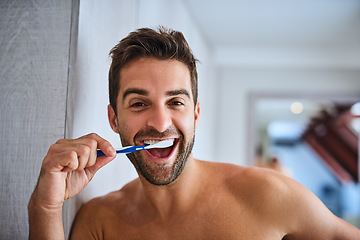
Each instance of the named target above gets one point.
<point>252,183</point>
<point>246,183</point>
<point>266,190</point>
<point>240,176</point>
<point>99,213</point>
<point>110,202</point>
<point>281,202</point>
<point>261,180</point>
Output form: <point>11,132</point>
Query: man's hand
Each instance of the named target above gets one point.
<point>68,167</point>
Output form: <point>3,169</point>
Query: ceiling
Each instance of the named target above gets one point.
<point>331,23</point>
<point>285,33</point>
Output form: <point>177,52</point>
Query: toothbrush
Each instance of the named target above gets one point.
<point>130,149</point>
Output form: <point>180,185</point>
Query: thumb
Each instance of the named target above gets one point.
<point>100,162</point>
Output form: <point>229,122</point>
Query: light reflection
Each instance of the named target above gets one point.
<point>355,109</point>
<point>296,107</point>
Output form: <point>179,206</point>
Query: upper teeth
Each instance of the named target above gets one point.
<point>152,142</point>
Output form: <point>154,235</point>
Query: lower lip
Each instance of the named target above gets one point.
<point>157,159</point>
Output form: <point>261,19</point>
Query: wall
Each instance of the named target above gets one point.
<point>34,55</point>
<point>54,85</point>
<point>224,87</point>
<point>176,15</point>
<point>34,58</point>
<point>101,26</point>
<point>238,84</point>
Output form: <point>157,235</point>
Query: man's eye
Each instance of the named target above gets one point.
<point>138,104</point>
<point>176,103</point>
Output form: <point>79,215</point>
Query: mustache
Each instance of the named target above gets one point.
<point>153,133</point>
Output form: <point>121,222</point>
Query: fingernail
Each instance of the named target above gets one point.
<point>111,149</point>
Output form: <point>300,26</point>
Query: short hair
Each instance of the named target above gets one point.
<point>162,44</point>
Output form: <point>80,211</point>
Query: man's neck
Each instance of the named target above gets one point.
<point>178,196</point>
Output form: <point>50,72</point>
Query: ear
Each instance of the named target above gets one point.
<point>197,113</point>
<point>112,119</point>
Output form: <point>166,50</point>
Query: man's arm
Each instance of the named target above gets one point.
<point>44,223</point>
<point>67,168</point>
<point>308,218</point>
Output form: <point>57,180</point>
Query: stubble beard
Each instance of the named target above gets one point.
<point>161,174</point>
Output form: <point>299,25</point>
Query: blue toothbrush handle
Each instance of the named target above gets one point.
<point>128,149</point>
<point>100,153</point>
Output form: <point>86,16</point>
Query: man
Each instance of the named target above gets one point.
<point>153,97</point>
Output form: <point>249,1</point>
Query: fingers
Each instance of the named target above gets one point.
<point>102,144</point>
<point>81,153</point>
<point>69,166</point>
<point>105,147</point>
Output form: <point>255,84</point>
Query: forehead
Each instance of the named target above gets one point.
<point>155,75</point>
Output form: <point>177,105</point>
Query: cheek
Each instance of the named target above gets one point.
<point>128,127</point>
<point>186,125</point>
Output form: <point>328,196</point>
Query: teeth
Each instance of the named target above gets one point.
<point>152,142</point>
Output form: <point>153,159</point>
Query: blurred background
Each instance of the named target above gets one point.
<point>278,85</point>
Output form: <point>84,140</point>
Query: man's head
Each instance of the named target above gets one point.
<point>164,44</point>
<point>156,99</point>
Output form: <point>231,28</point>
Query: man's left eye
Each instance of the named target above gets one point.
<point>176,103</point>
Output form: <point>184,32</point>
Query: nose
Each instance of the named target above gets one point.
<point>160,119</point>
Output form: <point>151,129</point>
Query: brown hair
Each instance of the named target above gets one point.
<point>163,44</point>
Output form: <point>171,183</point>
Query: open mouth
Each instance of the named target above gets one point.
<point>160,152</point>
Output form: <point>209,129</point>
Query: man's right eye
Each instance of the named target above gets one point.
<point>138,104</point>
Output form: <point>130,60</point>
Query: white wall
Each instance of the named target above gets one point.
<point>224,86</point>
<point>237,84</point>
<point>101,26</point>
<point>227,78</point>
<point>174,14</point>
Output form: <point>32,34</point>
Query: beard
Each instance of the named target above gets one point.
<point>161,173</point>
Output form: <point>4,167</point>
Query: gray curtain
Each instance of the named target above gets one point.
<point>35,40</point>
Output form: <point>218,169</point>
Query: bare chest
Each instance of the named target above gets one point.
<point>204,223</point>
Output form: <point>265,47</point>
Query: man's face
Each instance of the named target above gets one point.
<point>155,103</point>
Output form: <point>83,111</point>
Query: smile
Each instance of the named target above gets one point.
<point>152,142</point>
<point>160,154</point>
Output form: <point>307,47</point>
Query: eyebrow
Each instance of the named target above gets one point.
<point>178,92</point>
<point>135,91</point>
<point>146,93</point>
